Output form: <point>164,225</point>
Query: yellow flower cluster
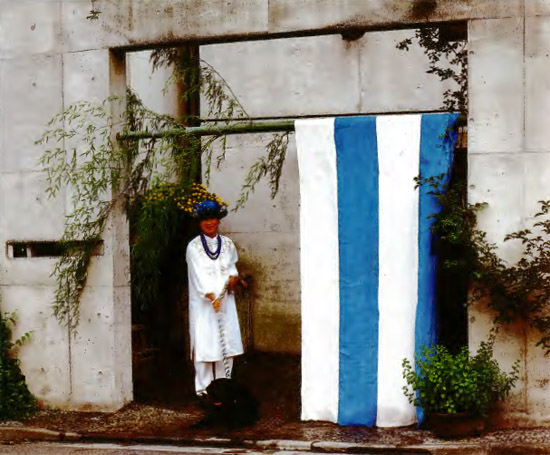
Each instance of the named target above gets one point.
<point>161,193</point>
<point>197,193</point>
<point>185,198</point>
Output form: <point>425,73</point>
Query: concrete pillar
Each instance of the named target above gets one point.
<point>495,164</point>
<point>509,168</point>
<point>101,351</point>
<point>537,177</point>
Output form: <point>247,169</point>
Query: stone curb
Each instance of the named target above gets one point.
<point>19,434</point>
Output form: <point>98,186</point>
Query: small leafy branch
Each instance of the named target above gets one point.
<point>269,166</point>
<point>448,60</point>
<point>101,174</point>
<point>94,13</point>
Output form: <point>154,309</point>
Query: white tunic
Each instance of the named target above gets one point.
<point>209,276</point>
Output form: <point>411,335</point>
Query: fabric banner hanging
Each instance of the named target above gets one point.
<point>367,269</point>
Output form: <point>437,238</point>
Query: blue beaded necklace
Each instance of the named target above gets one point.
<point>212,255</point>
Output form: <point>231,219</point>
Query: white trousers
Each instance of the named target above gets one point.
<point>206,372</point>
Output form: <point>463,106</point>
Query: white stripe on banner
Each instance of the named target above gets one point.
<point>398,155</point>
<point>319,268</point>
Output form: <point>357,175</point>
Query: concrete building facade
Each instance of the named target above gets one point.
<point>282,58</point>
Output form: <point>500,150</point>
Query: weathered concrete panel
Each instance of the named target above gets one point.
<point>86,76</point>
<point>150,85</point>
<point>538,396</point>
<point>293,76</point>
<point>123,345</point>
<point>273,261</point>
<point>498,180</point>
<point>295,15</point>
<point>31,94</point>
<point>150,22</point>
<point>27,212</point>
<point>298,76</point>
<point>536,183</point>
<point>26,271</point>
<point>382,68</point>
<point>109,30</point>
<point>100,272</point>
<point>93,352</point>
<point>278,331</point>
<point>260,213</point>
<point>537,8</point>
<point>196,18</point>
<point>101,351</point>
<point>44,358</point>
<point>496,111</point>
<point>29,27</point>
<point>537,102</point>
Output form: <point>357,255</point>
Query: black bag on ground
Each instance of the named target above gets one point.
<point>230,404</point>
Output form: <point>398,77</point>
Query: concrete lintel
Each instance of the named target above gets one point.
<point>138,25</point>
<point>297,15</point>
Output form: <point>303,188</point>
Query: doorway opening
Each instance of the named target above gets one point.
<point>267,231</point>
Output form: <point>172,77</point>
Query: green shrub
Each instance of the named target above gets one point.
<point>452,383</point>
<point>16,402</point>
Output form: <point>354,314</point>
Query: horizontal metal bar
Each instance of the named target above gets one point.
<point>242,127</point>
<point>214,130</point>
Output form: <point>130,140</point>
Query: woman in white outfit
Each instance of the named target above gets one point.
<point>211,260</point>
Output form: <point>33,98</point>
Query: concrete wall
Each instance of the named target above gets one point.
<point>50,55</point>
<point>509,165</point>
<point>91,370</point>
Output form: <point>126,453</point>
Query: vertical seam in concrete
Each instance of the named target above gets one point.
<point>524,75</point>
<point>523,146</point>
<point>69,352</point>
<point>69,336</point>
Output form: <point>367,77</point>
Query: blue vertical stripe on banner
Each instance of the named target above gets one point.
<point>357,167</point>
<point>437,142</point>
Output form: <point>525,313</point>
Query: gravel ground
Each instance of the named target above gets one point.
<point>137,420</point>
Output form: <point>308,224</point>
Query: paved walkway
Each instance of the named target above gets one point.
<point>173,428</point>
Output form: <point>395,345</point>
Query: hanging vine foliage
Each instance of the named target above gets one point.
<point>99,174</point>
<point>448,60</point>
<point>519,291</point>
<point>16,401</point>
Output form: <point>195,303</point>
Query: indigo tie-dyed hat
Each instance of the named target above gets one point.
<point>209,209</point>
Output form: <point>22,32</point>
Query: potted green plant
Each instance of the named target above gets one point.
<point>456,391</point>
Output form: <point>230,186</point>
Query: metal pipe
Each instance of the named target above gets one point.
<point>218,130</point>
<point>214,130</point>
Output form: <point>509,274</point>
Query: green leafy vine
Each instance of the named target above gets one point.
<point>16,402</point>
<point>448,60</point>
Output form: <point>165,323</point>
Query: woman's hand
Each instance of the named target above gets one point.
<point>216,304</point>
<point>233,281</point>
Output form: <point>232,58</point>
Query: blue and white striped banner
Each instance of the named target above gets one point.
<point>367,270</point>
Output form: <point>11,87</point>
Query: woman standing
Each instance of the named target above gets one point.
<point>211,260</point>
